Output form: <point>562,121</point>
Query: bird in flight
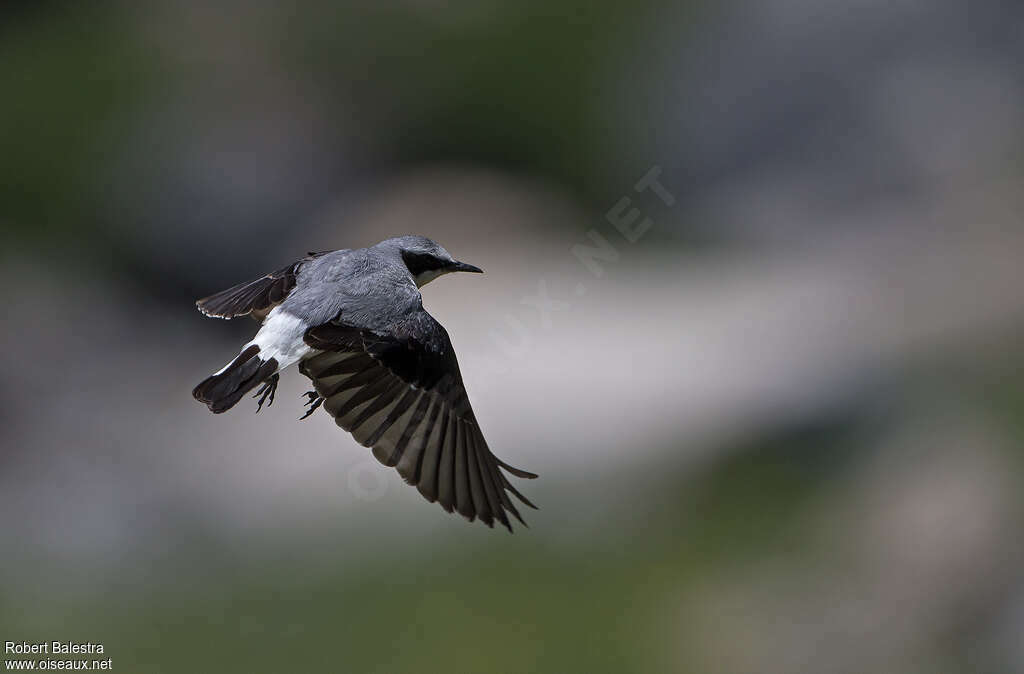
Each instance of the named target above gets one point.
<point>354,322</point>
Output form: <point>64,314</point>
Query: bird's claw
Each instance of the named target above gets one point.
<point>267,391</point>
<point>314,402</point>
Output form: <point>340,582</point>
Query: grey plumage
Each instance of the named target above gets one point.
<point>380,364</point>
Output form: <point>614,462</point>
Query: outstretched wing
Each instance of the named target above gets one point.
<point>402,395</point>
<point>256,297</point>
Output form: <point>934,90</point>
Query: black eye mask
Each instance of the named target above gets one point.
<point>419,263</point>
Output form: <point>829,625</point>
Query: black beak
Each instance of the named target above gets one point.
<point>462,266</point>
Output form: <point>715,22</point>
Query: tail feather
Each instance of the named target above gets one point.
<point>221,391</point>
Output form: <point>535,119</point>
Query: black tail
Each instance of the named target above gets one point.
<point>221,391</point>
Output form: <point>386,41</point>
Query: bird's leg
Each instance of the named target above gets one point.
<point>314,402</point>
<point>266,391</point>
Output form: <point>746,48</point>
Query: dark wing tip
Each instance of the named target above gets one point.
<point>517,494</point>
<point>518,472</point>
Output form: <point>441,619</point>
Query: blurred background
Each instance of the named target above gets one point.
<point>778,426</point>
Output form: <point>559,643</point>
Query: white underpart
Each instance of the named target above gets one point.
<point>281,338</point>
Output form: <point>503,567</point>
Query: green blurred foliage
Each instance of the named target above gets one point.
<point>76,78</point>
<point>521,86</point>
<point>518,85</point>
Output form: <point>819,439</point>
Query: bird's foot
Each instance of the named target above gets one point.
<point>314,402</point>
<point>267,391</point>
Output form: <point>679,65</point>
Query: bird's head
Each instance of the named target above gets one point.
<point>426,259</point>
